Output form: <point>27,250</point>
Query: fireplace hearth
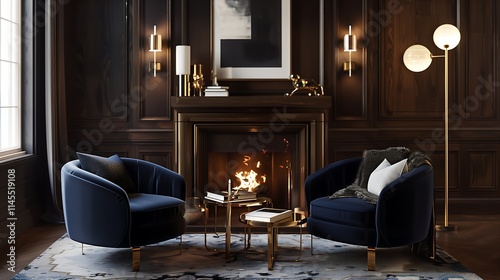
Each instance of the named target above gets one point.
<point>267,144</point>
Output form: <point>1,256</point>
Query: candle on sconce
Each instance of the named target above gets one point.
<point>229,189</point>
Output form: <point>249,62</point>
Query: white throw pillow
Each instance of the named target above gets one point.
<point>384,174</point>
<point>385,163</point>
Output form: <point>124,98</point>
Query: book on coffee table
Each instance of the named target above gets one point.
<point>217,195</point>
<point>268,215</point>
<point>222,196</point>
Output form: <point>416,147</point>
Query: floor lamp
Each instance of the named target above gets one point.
<point>417,58</point>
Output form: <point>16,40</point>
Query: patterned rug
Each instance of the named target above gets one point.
<point>331,260</point>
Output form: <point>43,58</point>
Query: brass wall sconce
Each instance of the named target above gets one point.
<point>183,68</point>
<point>350,43</point>
<point>154,47</point>
<point>417,58</point>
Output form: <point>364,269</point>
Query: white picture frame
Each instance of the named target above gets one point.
<point>251,39</point>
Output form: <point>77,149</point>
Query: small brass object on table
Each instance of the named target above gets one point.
<point>198,82</point>
<point>310,86</point>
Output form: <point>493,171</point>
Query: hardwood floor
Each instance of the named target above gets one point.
<point>30,245</point>
<point>476,244</point>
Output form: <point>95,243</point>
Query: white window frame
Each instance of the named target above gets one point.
<point>11,123</point>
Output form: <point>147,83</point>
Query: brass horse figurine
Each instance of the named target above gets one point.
<point>306,85</point>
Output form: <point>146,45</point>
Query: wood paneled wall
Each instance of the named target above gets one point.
<point>114,103</point>
<point>115,106</point>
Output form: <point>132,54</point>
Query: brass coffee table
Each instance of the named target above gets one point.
<point>259,202</point>
<point>298,220</point>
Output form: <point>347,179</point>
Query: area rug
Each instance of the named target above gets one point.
<point>331,260</point>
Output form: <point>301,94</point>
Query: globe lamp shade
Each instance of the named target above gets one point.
<point>446,35</point>
<point>417,58</point>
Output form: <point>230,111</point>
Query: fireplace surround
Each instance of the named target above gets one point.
<point>217,137</point>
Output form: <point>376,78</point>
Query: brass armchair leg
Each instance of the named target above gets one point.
<point>136,258</point>
<point>414,248</point>
<point>312,252</point>
<point>181,245</point>
<point>371,259</point>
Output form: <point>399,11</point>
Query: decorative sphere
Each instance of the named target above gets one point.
<point>417,58</point>
<point>446,35</point>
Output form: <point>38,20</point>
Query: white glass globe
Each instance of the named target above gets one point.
<point>446,34</point>
<point>417,58</point>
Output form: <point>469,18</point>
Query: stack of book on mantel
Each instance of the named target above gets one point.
<point>269,215</point>
<point>236,196</point>
<point>215,91</point>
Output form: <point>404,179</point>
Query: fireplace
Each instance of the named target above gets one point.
<point>264,165</point>
<point>268,146</point>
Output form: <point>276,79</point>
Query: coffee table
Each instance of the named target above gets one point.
<point>298,220</point>
<point>259,202</point>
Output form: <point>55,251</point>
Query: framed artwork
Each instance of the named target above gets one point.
<point>251,39</point>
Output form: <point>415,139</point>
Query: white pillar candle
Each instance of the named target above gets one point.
<point>183,60</point>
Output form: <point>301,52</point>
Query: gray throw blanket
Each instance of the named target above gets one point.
<point>371,159</point>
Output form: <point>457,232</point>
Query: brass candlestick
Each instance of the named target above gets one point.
<point>198,82</point>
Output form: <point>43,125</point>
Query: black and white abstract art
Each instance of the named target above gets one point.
<point>251,39</point>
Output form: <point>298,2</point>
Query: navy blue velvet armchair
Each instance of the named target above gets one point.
<point>99,212</point>
<point>403,214</point>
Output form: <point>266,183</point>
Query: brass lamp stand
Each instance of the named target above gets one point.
<point>417,58</point>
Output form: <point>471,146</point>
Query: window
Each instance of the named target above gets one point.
<point>10,77</point>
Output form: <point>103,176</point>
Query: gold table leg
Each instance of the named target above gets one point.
<point>228,230</point>
<point>275,244</point>
<point>270,247</point>
<point>205,223</point>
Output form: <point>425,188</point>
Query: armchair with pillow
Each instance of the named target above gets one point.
<point>122,202</point>
<point>381,200</point>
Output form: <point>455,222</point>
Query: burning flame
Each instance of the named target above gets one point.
<point>250,180</point>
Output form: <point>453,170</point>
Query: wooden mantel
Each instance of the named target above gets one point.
<point>251,103</point>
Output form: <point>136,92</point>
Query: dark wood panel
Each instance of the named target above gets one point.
<point>153,92</point>
<point>161,154</point>
<point>403,93</point>
<point>350,92</point>
<point>95,57</point>
<point>481,170</point>
<point>455,176</point>
<point>164,157</point>
<point>480,39</point>
<point>305,39</point>
<point>123,142</point>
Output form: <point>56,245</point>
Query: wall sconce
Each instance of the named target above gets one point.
<point>349,47</point>
<point>155,46</point>
<point>183,68</point>
<point>417,58</point>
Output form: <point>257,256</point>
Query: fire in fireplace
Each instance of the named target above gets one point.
<point>266,172</point>
<point>251,178</point>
